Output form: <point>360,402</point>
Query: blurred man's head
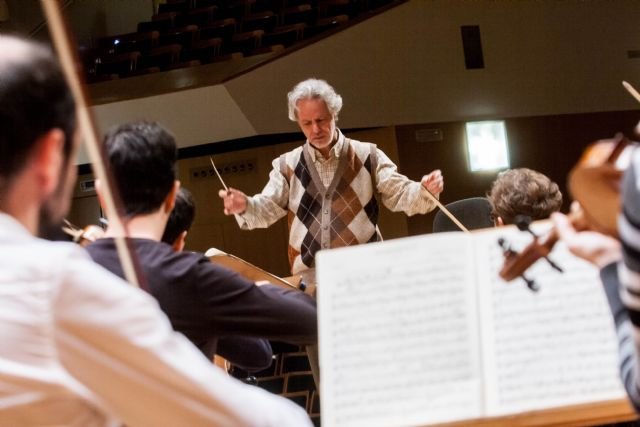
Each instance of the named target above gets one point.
<point>142,157</point>
<point>37,130</point>
<point>180,220</point>
<point>523,192</point>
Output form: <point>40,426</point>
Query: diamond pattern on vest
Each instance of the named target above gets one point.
<point>308,211</point>
<point>353,214</point>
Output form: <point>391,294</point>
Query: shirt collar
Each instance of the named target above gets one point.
<point>333,153</point>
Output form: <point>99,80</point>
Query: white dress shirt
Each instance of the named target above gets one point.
<point>80,347</point>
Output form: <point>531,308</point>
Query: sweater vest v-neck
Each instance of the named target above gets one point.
<point>344,214</point>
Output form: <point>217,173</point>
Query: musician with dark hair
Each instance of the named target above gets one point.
<point>246,353</point>
<point>180,220</point>
<point>79,345</point>
<point>203,300</point>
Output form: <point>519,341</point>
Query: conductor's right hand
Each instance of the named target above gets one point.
<point>235,201</point>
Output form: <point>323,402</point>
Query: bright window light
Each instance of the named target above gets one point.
<point>487,145</point>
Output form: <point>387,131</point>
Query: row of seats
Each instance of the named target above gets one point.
<point>186,33</point>
<point>133,53</point>
<point>199,9</point>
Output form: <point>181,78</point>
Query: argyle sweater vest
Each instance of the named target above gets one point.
<point>344,214</point>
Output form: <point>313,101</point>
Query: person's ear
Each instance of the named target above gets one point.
<point>170,200</point>
<point>499,222</point>
<point>178,244</point>
<point>48,158</point>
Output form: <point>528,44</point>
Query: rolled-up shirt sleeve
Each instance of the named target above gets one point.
<point>267,207</point>
<point>399,193</point>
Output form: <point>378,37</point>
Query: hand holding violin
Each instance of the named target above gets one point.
<point>592,246</point>
<point>595,184</point>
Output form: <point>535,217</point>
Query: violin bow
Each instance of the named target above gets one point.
<point>62,41</point>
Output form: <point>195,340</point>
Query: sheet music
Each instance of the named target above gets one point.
<point>551,348</point>
<point>398,332</point>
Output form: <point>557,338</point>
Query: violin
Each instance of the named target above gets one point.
<point>594,182</point>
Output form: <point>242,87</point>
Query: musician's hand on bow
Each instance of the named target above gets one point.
<point>235,201</point>
<point>592,246</point>
<point>90,234</point>
<point>434,182</point>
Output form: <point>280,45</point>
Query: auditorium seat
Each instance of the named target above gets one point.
<point>185,36</point>
<point>337,7</point>
<point>247,41</point>
<point>204,51</point>
<point>178,6</point>
<point>204,3</point>
<point>265,21</point>
<point>200,16</point>
<point>163,56</point>
<point>161,22</point>
<point>224,29</point>
<point>119,63</point>
<point>325,24</point>
<point>245,27</point>
<point>239,8</point>
<point>285,35</point>
<point>302,13</point>
<point>473,213</point>
<point>129,42</point>
<point>290,376</point>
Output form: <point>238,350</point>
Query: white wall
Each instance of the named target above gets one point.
<point>406,66</point>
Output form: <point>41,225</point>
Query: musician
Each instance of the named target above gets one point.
<point>79,345</point>
<point>328,186</point>
<point>246,353</point>
<point>204,301</point>
<point>619,263</point>
<point>180,220</point>
<point>523,191</point>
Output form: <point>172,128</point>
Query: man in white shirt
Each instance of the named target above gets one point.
<point>80,346</point>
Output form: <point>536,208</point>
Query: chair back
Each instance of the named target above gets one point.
<point>473,213</point>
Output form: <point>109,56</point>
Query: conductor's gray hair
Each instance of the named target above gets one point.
<point>314,89</point>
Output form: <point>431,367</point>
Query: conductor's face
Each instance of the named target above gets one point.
<point>317,123</point>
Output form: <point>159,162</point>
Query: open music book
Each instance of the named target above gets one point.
<point>422,330</point>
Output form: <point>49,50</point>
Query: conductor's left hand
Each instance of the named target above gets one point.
<point>434,182</point>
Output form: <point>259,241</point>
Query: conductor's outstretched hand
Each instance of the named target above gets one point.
<point>235,201</point>
<point>434,182</point>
